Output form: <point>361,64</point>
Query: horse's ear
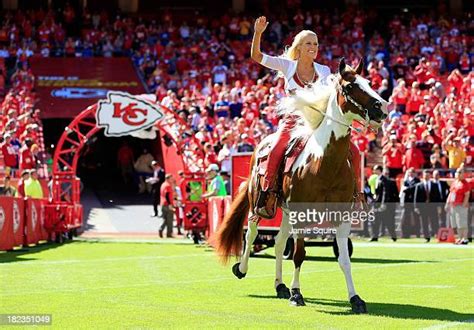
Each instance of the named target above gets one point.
<point>342,66</point>
<point>360,66</point>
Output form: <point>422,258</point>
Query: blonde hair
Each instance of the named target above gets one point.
<point>292,51</point>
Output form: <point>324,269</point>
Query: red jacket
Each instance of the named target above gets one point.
<point>9,155</point>
<point>414,158</point>
<point>27,161</point>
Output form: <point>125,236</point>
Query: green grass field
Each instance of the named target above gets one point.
<point>97,285</point>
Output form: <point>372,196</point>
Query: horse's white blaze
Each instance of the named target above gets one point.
<point>364,85</point>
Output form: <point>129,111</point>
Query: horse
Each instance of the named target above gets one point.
<point>321,173</point>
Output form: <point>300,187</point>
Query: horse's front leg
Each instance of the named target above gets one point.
<point>280,244</point>
<point>298,258</point>
<point>240,268</point>
<point>342,235</point>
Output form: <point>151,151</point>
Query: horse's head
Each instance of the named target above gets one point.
<point>359,98</point>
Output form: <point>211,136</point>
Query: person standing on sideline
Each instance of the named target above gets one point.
<point>33,187</point>
<point>439,194</point>
<point>423,206</point>
<point>216,186</point>
<point>410,220</point>
<point>167,205</point>
<point>386,197</point>
<point>457,205</point>
<point>156,181</point>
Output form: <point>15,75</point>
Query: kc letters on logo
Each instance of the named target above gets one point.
<point>122,114</point>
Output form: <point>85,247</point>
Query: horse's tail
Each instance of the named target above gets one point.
<point>230,234</point>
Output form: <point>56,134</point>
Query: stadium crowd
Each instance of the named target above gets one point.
<point>200,69</point>
<point>21,140</point>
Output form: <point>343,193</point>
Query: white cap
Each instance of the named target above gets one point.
<point>212,167</point>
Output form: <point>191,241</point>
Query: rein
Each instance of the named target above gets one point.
<point>348,98</point>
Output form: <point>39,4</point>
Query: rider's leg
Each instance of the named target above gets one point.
<point>282,139</point>
<point>267,198</point>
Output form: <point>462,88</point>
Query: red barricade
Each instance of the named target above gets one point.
<point>28,221</point>
<point>7,241</point>
<point>215,212</point>
<point>77,216</point>
<point>195,216</point>
<point>18,221</point>
<point>227,202</point>
<point>57,218</point>
<point>32,222</point>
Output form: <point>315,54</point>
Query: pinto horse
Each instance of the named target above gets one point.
<point>320,174</point>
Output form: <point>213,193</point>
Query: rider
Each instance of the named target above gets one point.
<point>299,69</point>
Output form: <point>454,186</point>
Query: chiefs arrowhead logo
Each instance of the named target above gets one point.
<point>122,114</point>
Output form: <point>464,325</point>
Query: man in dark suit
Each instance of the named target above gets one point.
<point>438,196</point>
<point>410,221</point>
<point>423,208</point>
<point>156,181</point>
<point>386,199</point>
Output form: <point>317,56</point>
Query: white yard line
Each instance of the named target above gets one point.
<point>417,286</point>
<point>216,279</point>
<point>449,325</point>
<point>413,245</point>
<point>76,261</point>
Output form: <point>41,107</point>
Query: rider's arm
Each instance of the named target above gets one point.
<point>271,62</point>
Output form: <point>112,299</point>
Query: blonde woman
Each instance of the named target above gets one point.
<point>299,69</point>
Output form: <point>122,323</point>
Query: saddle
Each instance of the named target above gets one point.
<point>267,201</point>
<point>295,146</point>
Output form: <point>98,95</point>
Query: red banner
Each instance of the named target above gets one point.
<point>240,173</point>
<point>195,216</point>
<point>6,223</point>
<point>18,221</point>
<point>215,208</point>
<point>66,86</point>
<point>32,228</point>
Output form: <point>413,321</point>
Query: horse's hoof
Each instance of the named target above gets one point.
<point>237,272</point>
<point>282,291</point>
<point>296,298</point>
<point>358,305</point>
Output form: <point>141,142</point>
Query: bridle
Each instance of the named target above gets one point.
<point>344,90</point>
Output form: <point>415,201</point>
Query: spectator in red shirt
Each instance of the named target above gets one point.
<point>413,157</point>
<point>9,156</point>
<point>415,99</point>
<point>400,96</point>
<point>393,157</point>
<point>27,161</point>
<point>457,205</point>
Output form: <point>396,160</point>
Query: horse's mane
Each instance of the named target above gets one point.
<point>304,100</point>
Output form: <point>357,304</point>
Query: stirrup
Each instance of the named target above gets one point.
<point>358,199</point>
<point>261,207</point>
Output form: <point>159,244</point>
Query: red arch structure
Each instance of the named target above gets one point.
<point>66,185</point>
